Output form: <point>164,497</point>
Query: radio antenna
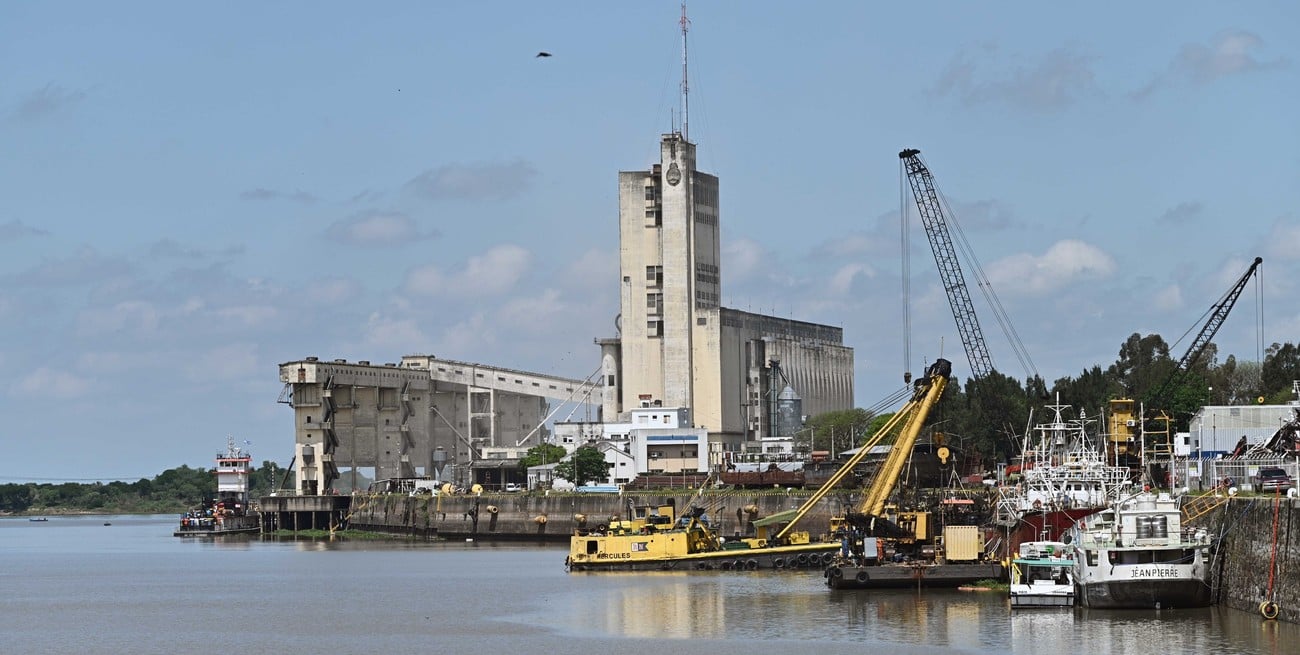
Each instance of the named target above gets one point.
<point>686,90</point>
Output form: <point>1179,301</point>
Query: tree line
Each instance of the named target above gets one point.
<point>172,491</point>
<point>986,418</point>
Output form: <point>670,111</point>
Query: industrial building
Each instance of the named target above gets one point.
<point>423,417</point>
<point>744,381</point>
<point>748,379</point>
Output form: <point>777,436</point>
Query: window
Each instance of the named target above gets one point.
<point>654,276</point>
<point>654,328</point>
<point>654,303</point>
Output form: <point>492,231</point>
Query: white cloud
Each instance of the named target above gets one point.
<point>331,291</point>
<point>539,312</point>
<point>1182,214</point>
<point>1064,262</point>
<point>50,382</point>
<point>133,315</point>
<point>1229,53</point>
<point>495,180</point>
<point>494,272</point>
<point>386,334</point>
<point>102,361</point>
<point>1283,241</point>
<point>471,335</point>
<point>842,280</point>
<point>1169,298</point>
<point>248,315</point>
<point>593,269</point>
<point>377,229</point>
<point>238,360</point>
<point>742,259</point>
<point>1053,82</point>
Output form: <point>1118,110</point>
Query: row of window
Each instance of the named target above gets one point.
<point>706,273</point>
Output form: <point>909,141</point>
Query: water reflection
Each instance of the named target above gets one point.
<point>796,606</point>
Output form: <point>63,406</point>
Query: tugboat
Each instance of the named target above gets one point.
<point>1042,575</point>
<point>229,512</point>
<point>1136,554</point>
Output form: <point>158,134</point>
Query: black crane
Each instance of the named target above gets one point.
<point>931,208</point>
<point>1217,314</point>
<point>945,256</point>
<point>950,273</point>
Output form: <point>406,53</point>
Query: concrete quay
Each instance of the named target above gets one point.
<point>554,517</point>
<point>1260,534</point>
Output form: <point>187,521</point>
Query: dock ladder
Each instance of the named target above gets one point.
<point>1197,506</point>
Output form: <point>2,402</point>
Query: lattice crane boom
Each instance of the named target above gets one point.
<point>1218,314</point>
<point>945,257</point>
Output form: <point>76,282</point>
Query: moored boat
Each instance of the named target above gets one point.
<point>1064,477</point>
<point>229,512</point>
<point>1042,575</point>
<point>655,538</point>
<point>1136,554</point>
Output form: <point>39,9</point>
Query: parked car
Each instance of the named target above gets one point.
<point>1273,480</point>
<point>512,487</point>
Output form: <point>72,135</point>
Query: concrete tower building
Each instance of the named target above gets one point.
<point>678,347</point>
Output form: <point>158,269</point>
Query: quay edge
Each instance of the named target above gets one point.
<point>1247,550</point>
<point>522,516</point>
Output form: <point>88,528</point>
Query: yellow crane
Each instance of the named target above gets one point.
<point>926,392</point>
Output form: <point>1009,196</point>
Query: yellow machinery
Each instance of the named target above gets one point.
<point>925,394</point>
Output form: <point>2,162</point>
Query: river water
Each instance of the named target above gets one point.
<point>75,585</point>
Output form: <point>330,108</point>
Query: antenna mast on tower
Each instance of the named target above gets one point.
<point>686,102</point>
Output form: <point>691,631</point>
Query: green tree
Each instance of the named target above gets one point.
<point>542,454</point>
<point>1090,392</point>
<point>16,497</point>
<point>587,464</point>
<point>1143,364</point>
<point>1281,368</point>
<point>845,428</point>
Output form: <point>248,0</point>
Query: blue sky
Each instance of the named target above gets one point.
<point>193,194</point>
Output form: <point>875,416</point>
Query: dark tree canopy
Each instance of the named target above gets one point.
<point>586,465</point>
<point>542,454</point>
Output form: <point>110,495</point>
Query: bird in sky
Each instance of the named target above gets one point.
<point>543,54</point>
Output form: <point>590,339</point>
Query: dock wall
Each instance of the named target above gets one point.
<point>1249,548</point>
<point>553,518</point>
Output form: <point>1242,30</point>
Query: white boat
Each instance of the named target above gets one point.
<point>1042,575</point>
<point>229,512</point>
<point>1136,554</point>
<point>1064,476</point>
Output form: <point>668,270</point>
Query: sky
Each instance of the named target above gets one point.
<point>194,193</point>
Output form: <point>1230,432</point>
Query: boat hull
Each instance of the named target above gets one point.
<point>805,556</point>
<point>1029,597</point>
<point>895,576</point>
<point>1045,526</point>
<point>211,528</point>
<point>1138,594</point>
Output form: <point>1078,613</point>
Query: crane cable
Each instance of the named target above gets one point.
<point>986,289</point>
